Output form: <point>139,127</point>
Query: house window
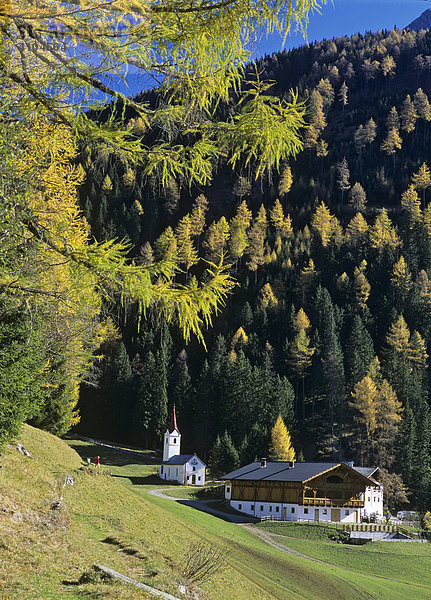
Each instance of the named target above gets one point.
<point>228,490</point>
<point>194,468</point>
<point>368,499</point>
<point>188,477</point>
<point>277,509</point>
<point>167,440</point>
<point>161,470</point>
<point>239,506</point>
<point>270,509</point>
<point>199,478</point>
<point>292,509</point>
<point>347,513</point>
<point>261,508</point>
<point>325,511</point>
<point>251,506</point>
<point>305,511</point>
<point>175,440</point>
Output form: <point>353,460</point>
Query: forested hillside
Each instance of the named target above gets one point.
<point>330,323</point>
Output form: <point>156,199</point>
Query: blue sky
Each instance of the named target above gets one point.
<point>346,17</point>
<point>336,18</point>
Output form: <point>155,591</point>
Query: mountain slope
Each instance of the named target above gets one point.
<point>422,22</point>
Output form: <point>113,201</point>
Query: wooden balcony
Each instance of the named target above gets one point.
<point>333,502</point>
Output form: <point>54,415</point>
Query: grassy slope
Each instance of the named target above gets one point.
<point>43,552</point>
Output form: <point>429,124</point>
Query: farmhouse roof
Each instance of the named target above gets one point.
<point>283,471</point>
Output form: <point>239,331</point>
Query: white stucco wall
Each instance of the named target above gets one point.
<point>373,498</point>
<point>293,512</point>
<point>171,444</point>
<point>184,473</point>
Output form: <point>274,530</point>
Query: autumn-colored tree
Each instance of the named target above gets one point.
<point>187,252</point>
<point>322,222</point>
<point>197,215</point>
<point>358,197</point>
<point>343,176</point>
<point>256,241</point>
<point>216,240</point>
<point>361,288</point>
<point>267,298</point>
<point>422,180</point>
<point>408,115</point>
<point>343,94</point>
<point>281,445</point>
<point>370,131</point>
<point>239,224</point>
<point>401,277</point>
<point>411,205</point>
<point>325,89</point>
<point>300,354</point>
<point>281,223</point>
<point>356,229</point>
<point>393,120</point>
<point>391,144</point>
<point>398,337</point>
<point>165,245</point>
<point>382,232</point>
<point>286,181</point>
<point>363,401</point>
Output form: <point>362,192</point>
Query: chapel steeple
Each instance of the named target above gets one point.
<point>172,439</point>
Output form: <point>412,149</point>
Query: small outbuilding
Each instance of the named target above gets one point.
<point>187,469</point>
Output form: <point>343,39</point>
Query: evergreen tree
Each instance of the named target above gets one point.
<point>224,456</point>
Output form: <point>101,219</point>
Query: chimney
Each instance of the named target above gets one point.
<point>350,463</point>
<point>263,462</point>
<point>291,464</point>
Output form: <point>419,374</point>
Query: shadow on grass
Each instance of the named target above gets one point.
<point>112,457</point>
<point>147,480</point>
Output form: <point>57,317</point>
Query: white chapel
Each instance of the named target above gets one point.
<point>187,469</point>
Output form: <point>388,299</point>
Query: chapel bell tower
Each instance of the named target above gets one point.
<point>172,439</point>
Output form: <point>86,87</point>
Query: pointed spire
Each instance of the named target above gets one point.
<point>173,424</point>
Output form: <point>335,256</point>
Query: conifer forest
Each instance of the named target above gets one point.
<point>315,262</point>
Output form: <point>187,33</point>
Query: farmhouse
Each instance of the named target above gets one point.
<point>187,469</point>
<point>312,491</point>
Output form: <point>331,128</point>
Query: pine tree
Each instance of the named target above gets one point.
<point>224,456</point>
<point>281,445</point>
<point>359,351</point>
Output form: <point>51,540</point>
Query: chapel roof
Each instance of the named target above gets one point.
<point>181,459</point>
<point>283,471</point>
